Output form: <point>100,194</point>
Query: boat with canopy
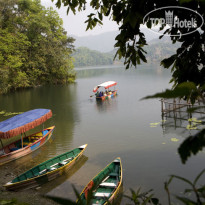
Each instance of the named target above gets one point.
<point>19,125</point>
<point>107,93</point>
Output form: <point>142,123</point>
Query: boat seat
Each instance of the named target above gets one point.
<point>64,162</point>
<point>54,165</point>
<point>113,174</point>
<point>41,172</point>
<point>101,194</point>
<point>108,184</point>
<point>47,170</point>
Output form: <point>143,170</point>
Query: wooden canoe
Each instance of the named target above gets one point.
<point>105,186</point>
<point>46,171</point>
<point>23,147</point>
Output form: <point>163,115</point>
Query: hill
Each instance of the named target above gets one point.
<point>157,50</point>
<point>105,42</point>
<point>86,57</point>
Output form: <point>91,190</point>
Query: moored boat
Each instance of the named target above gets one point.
<point>46,171</point>
<point>105,187</point>
<point>106,94</point>
<point>19,124</point>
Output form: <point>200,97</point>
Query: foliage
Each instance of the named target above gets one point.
<point>188,89</point>
<point>138,198</point>
<point>143,198</point>
<point>199,192</point>
<point>34,46</point>
<point>11,202</point>
<point>188,64</point>
<point>192,145</point>
<point>86,57</point>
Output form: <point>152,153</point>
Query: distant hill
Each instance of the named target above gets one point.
<point>102,42</point>
<point>105,42</point>
<point>157,50</point>
<point>86,57</point>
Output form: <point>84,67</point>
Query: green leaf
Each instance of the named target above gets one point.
<point>182,179</point>
<point>186,201</point>
<point>199,175</point>
<point>155,201</point>
<point>167,62</point>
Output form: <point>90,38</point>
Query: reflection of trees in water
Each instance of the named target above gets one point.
<point>84,73</point>
<point>177,118</point>
<point>61,100</point>
<point>106,105</point>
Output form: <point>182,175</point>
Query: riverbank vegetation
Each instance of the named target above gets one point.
<point>35,49</point>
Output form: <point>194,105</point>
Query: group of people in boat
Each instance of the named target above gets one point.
<point>101,93</point>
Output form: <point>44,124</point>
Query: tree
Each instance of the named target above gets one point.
<point>34,48</point>
<point>187,64</point>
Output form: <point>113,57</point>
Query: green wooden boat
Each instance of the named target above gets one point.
<point>105,186</point>
<point>46,171</point>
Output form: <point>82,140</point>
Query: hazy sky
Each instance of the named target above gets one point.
<point>74,24</point>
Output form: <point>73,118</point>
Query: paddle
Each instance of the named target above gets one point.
<point>91,96</point>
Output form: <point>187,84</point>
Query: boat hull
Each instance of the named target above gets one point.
<point>30,147</point>
<point>44,178</point>
<point>105,187</point>
<point>114,93</point>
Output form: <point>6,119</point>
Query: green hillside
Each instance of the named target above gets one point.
<point>86,57</point>
<point>157,50</point>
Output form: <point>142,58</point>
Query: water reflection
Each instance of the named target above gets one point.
<point>52,187</point>
<point>177,119</point>
<point>107,105</point>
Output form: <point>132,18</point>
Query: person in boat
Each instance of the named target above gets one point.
<point>101,94</point>
<point>97,94</point>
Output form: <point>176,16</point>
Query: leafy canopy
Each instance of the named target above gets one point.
<point>34,48</point>
<point>187,64</point>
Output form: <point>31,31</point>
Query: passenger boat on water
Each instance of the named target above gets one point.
<point>105,187</point>
<point>46,171</point>
<point>18,125</point>
<point>102,95</point>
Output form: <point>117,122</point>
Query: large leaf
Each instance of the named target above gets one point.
<point>192,145</point>
<point>183,89</point>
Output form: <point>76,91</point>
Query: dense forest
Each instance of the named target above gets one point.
<point>156,51</point>
<point>86,57</point>
<point>34,48</point>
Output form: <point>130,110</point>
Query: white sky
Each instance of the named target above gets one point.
<point>74,24</point>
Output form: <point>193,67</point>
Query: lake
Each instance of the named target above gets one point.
<point>118,127</point>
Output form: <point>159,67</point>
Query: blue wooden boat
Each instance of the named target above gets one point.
<point>18,125</point>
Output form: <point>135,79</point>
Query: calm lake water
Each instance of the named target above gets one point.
<point>119,127</point>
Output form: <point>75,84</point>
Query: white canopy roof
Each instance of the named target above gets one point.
<point>106,85</point>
